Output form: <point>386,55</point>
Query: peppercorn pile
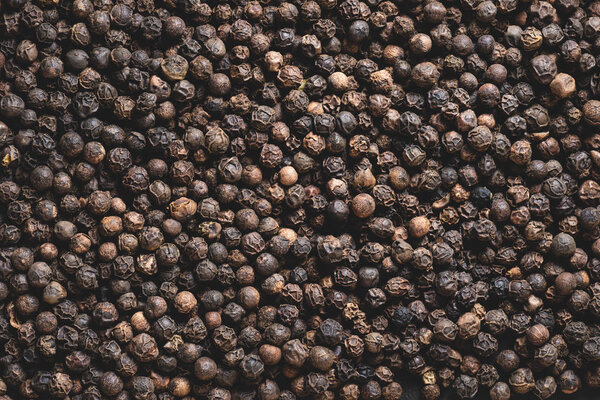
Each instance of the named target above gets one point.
<point>279,200</point>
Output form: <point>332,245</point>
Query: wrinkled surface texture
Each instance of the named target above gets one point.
<point>280,200</point>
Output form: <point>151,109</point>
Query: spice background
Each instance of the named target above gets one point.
<point>281,200</point>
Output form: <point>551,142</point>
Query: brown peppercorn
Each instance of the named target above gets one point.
<point>54,292</point>
<point>520,152</point>
<point>563,85</point>
<point>591,112</point>
<point>420,44</point>
<point>321,358</point>
<point>468,325</point>
<point>110,384</point>
<point>184,302</point>
<point>521,381</point>
<point>46,322</point>
<point>538,334</point>
<point>496,74</point>
<point>212,319</point>
<point>363,205</point>
<point>419,226</point>
<point>393,391</point>
<point>399,178</point>
<point>507,360</point>
<point>338,81</point>
<point>290,76</point>
<point>144,348</point>
<point>273,60</point>
<point>249,297</point>
<point>205,369</point>
<point>219,84</point>
<point>180,386</point>
<point>48,251</point>
<point>565,284</point>
<point>569,382</point>
<point>425,75</point>
<point>139,322</point>
<point>271,355</point>
<point>500,391</point>
<point>174,68</point>
<point>288,176</point>
<point>350,392</point>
